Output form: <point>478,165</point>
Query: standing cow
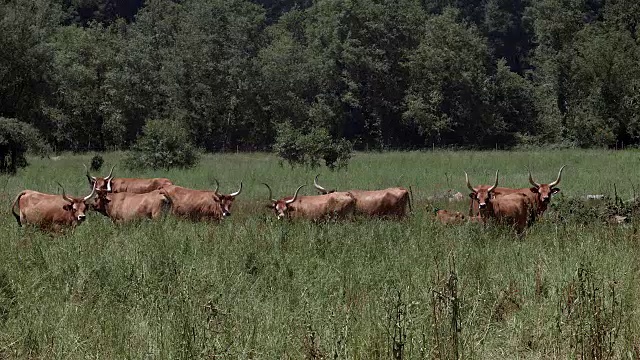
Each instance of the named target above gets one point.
<point>50,211</point>
<point>510,209</point>
<point>200,204</point>
<point>387,202</point>
<point>334,205</point>
<point>124,207</point>
<point>132,185</point>
<point>539,195</point>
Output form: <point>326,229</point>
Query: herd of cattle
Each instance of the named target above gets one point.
<point>126,199</point>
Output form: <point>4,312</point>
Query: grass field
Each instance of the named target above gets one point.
<point>254,287</point>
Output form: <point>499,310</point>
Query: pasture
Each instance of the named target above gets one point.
<point>255,287</point>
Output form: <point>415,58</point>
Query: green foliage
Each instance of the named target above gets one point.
<point>308,147</point>
<point>16,139</point>
<point>164,144</point>
<point>96,162</point>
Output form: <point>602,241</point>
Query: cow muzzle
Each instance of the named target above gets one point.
<point>482,205</point>
<point>82,217</point>
<point>226,213</point>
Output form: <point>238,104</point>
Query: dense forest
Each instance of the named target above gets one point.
<point>372,74</point>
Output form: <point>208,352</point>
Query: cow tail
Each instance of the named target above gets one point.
<point>13,208</point>
<point>410,198</point>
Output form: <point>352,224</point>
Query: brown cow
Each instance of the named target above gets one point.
<point>448,217</point>
<point>123,207</point>
<point>200,204</point>
<point>510,209</point>
<point>539,195</point>
<point>335,205</point>
<point>131,185</point>
<point>50,211</point>
<point>387,202</point>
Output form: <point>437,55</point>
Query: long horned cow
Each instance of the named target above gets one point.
<point>200,204</point>
<point>132,185</point>
<point>336,205</point>
<point>50,211</point>
<point>539,195</point>
<point>124,207</point>
<point>386,202</point>
<point>510,209</point>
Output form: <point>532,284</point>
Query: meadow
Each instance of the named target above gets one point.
<point>254,287</point>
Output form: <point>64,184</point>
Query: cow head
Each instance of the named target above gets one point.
<point>225,201</point>
<point>545,191</point>
<point>100,183</point>
<point>320,189</point>
<point>284,206</point>
<point>101,201</point>
<point>77,206</point>
<point>481,194</point>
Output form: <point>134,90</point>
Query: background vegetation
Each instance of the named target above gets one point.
<point>247,75</point>
<point>254,287</point>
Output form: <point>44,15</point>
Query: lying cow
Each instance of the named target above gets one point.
<point>50,211</point>
<point>334,205</point>
<point>132,185</point>
<point>449,217</point>
<point>387,202</point>
<point>200,204</point>
<point>124,207</point>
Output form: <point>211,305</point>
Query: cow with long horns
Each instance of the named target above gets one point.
<point>539,195</point>
<point>509,209</point>
<point>336,205</point>
<point>200,204</point>
<point>124,207</point>
<point>386,202</point>
<point>132,185</point>
<point>50,211</point>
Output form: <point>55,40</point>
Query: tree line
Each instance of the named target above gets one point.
<point>323,76</point>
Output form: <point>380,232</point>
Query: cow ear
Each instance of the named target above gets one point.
<point>472,195</point>
<point>555,190</point>
<point>68,207</point>
<point>534,189</point>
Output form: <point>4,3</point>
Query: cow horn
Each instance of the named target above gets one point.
<point>468,183</point>
<point>110,176</point>
<point>315,184</point>
<point>109,185</point>
<point>92,178</point>
<point>64,195</point>
<point>93,192</point>
<point>295,196</point>
<point>531,179</point>
<point>270,193</point>
<point>237,192</point>
<point>217,185</point>
<point>558,179</point>
<point>495,184</point>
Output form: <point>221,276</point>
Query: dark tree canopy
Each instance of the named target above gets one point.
<point>280,74</point>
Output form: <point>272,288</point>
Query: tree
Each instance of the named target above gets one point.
<point>16,138</point>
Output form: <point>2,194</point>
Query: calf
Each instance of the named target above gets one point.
<point>448,217</point>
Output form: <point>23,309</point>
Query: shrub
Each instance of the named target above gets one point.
<point>16,138</point>
<point>96,162</point>
<point>164,144</point>
<point>308,148</point>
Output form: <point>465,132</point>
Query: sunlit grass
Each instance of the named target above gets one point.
<point>251,286</point>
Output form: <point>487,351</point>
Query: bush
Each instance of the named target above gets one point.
<point>306,149</point>
<point>164,144</point>
<point>96,162</point>
<point>16,138</point>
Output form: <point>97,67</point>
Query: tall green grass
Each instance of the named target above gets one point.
<point>254,287</point>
